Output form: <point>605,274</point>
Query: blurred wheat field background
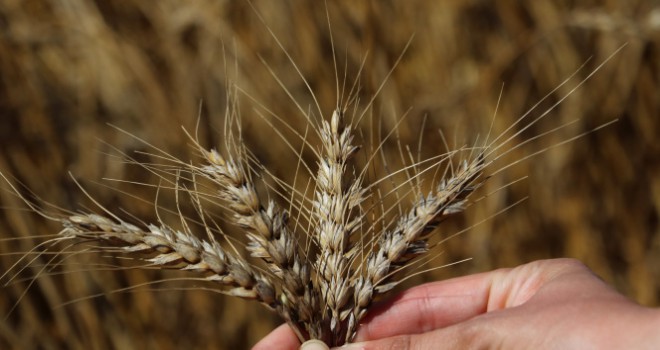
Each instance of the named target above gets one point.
<point>70,68</point>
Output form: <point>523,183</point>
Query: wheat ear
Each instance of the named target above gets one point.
<point>335,202</point>
<point>409,238</point>
<point>175,249</point>
<point>269,238</point>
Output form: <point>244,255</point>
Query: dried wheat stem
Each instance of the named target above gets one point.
<point>269,236</point>
<point>334,203</point>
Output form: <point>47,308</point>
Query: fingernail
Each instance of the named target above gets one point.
<point>314,344</point>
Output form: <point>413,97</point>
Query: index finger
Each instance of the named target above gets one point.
<point>441,304</point>
<point>427,307</point>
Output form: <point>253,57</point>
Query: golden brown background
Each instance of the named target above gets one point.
<point>70,68</point>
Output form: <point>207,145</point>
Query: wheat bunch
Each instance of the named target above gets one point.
<point>321,297</point>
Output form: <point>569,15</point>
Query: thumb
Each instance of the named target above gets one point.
<point>314,344</point>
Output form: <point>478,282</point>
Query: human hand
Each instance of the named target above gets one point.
<point>544,304</point>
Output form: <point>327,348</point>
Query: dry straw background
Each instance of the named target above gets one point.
<point>68,68</point>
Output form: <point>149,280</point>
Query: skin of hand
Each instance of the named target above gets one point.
<point>546,304</point>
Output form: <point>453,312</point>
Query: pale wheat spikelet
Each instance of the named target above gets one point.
<point>409,238</point>
<point>174,249</point>
<point>269,236</point>
<point>335,205</point>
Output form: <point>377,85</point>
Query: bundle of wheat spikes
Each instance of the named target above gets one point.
<point>322,292</point>
<point>322,295</point>
<point>320,263</point>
